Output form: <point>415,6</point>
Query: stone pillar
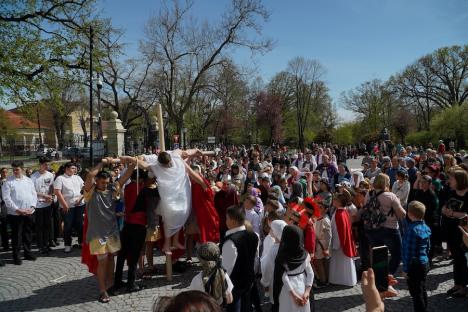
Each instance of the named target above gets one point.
<point>115,136</point>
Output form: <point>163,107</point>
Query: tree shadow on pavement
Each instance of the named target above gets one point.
<point>56,295</point>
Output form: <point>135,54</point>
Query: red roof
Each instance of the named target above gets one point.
<point>18,121</point>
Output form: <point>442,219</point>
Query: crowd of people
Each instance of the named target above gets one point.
<point>263,222</point>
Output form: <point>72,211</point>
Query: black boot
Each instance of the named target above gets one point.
<point>16,259</point>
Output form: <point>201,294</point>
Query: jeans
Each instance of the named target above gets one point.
<point>132,239</point>
<point>21,234</point>
<point>43,226</point>
<point>390,238</point>
<point>73,219</point>
<point>417,285</point>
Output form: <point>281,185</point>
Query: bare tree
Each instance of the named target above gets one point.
<point>306,77</point>
<point>186,51</point>
<point>126,84</point>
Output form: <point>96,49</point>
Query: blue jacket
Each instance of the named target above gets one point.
<point>416,244</point>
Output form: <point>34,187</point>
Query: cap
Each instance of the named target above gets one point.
<point>345,184</point>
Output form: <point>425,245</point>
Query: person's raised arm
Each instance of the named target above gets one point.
<point>128,172</point>
<point>93,172</point>
<point>195,177</point>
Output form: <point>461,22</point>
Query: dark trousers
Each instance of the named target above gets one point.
<point>56,226</point>
<point>390,238</point>
<point>241,300</point>
<point>21,234</point>
<point>43,220</point>
<point>4,231</point>
<point>417,285</point>
<point>460,267</point>
<point>73,220</point>
<point>364,253</point>
<point>132,239</point>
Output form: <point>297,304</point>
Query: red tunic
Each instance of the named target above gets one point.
<point>130,198</point>
<point>343,225</point>
<point>222,201</point>
<point>87,258</point>
<point>204,209</point>
<point>309,238</point>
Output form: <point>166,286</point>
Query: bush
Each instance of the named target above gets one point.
<point>421,138</point>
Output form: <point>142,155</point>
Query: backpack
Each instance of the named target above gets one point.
<point>372,217</point>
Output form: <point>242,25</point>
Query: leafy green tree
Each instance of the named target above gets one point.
<point>452,124</point>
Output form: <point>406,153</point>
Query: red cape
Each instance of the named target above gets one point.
<point>343,225</point>
<point>204,209</point>
<point>86,257</point>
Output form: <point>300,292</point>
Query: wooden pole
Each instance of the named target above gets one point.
<point>162,144</point>
<point>162,148</point>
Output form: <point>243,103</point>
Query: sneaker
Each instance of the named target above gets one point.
<point>52,243</point>
<point>30,257</point>
<point>17,261</point>
<point>67,249</point>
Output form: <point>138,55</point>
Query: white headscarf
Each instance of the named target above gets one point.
<point>359,180</point>
<point>276,228</point>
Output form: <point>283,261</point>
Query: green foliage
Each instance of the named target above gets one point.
<point>452,123</point>
<point>344,134</point>
<point>421,138</point>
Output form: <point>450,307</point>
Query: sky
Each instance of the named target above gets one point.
<point>355,40</point>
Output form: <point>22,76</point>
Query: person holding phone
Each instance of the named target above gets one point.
<point>455,209</point>
<point>20,198</point>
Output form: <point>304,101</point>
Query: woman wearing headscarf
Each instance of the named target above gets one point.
<point>267,261</point>
<point>293,275</point>
<point>356,178</point>
<point>296,193</point>
<point>212,279</point>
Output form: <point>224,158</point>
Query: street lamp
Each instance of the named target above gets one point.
<point>91,155</point>
<point>99,87</point>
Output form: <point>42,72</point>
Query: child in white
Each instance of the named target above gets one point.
<point>212,279</point>
<point>293,275</point>
<point>323,234</point>
<point>268,260</point>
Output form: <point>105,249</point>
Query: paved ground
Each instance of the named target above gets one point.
<point>61,283</point>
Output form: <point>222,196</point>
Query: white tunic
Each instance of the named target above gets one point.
<point>342,268</point>
<point>323,235</point>
<point>175,191</point>
<point>267,264</point>
<point>297,280</point>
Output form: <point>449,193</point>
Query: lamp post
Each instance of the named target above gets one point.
<point>99,87</point>
<point>91,156</point>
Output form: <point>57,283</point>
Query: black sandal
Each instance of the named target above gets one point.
<point>104,298</point>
